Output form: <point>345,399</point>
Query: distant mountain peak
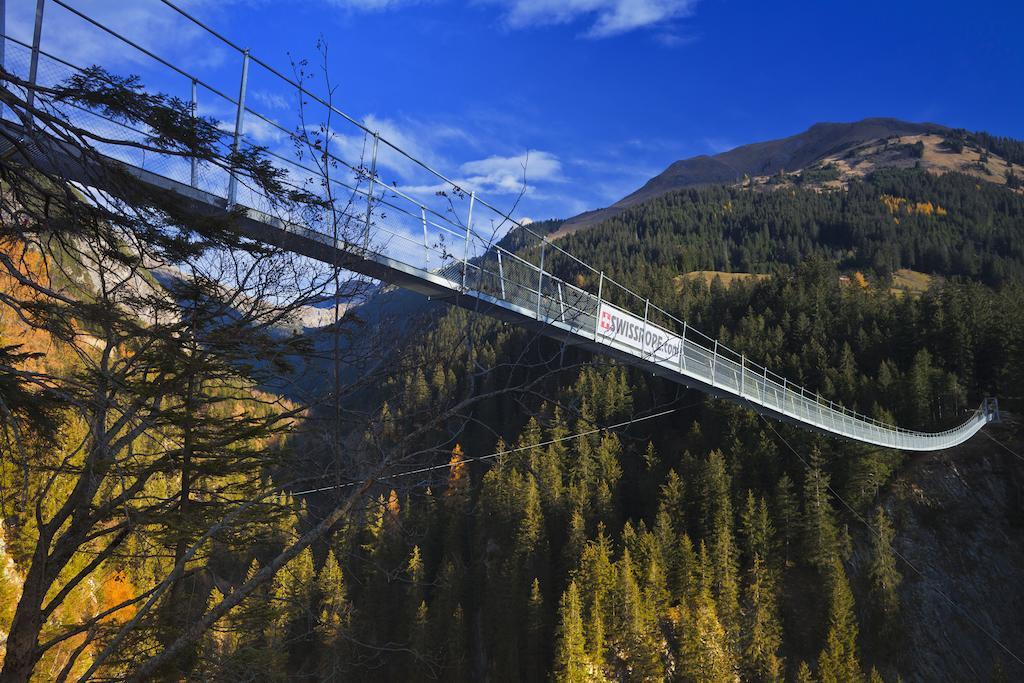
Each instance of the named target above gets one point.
<point>819,142</point>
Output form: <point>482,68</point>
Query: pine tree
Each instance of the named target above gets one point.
<point>534,664</point>
<point>604,502</point>
<point>757,530</point>
<point>415,593</point>
<point>546,464</point>
<point>655,589</point>
<point>803,674</point>
<point>787,515</point>
<point>417,392</point>
<point>582,467</point>
<point>705,650</point>
<point>530,540</point>
<point>838,661</point>
<point>297,590</point>
<point>673,501</point>
<point>608,471</point>
<point>595,631</point>
<point>716,506</point>
<point>847,376</point>
<point>330,585</point>
<point>648,478</point>
<point>457,661</point>
<point>665,545</point>
<point>726,579</point>
<point>419,638</point>
<point>334,618</point>
<point>596,577</point>
<point>575,541</point>
<point>919,390</point>
<point>570,643</point>
<point>821,534</point>
<point>762,630</point>
<point>705,573</point>
<point>216,646</point>
<point>637,623</point>
<point>717,518</point>
<point>298,585</point>
<point>683,583</point>
<point>885,576</point>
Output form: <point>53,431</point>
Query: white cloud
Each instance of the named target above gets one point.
<point>501,175</point>
<point>670,39</point>
<point>508,175</point>
<point>270,100</point>
<point>150,24</point>
<point>261,132</point>
<point>606,17</point>
<point>369,5</point>
<point>420,139</point>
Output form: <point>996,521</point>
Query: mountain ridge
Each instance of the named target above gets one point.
<point>794,152</point>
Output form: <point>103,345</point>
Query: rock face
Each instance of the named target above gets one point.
<point>960,521</point>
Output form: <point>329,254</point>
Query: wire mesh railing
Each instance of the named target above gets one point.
<point>438,226</point>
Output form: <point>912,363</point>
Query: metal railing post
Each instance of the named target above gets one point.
<point>682,349</point>
<point>743,374</point>
<point>369,193</point>
<point>33,68</point>
<point>194,176</point>
<point>714,362</point>
<point>426,247</point>
<point>784,393</point>
<point>239,122</point>
<point>643,337</point>
<point>501,275</point>
<point>597,313</point>
<point>469,227</point>
<point>561,303</point>
<point>540,275</point>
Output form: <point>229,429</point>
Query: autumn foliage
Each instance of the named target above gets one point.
<point>901,205</point>
<point>115,589</point>
<point>458,477</point>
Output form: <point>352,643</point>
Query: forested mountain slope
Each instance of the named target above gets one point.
<point>948,225</point>
<point>704,545</point>
<point>712,543</point>
<point>831,152</point>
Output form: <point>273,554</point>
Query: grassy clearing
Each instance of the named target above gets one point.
<point>909,281</point>
<point>708,277</point>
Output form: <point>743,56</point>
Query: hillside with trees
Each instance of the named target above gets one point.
<point>477,503</point>
<point>832,152</point>
<point>712,543</point>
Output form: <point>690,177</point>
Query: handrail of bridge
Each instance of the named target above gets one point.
<point>397,218</point>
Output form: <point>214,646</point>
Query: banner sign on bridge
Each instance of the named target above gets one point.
<point>614,324</point>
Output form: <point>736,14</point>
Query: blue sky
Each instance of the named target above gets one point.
<point>599,95</point>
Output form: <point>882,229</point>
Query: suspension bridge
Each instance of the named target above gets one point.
<point>435,238</point>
